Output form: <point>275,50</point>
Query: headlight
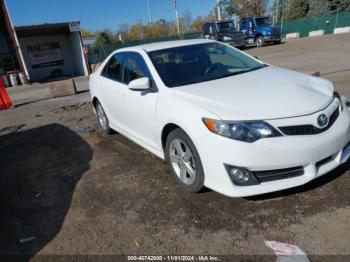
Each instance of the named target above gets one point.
<point>345,101</point>
<point>249,131</point>
<point>227,38</point>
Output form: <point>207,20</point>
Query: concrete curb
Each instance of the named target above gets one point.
<point>316,33</point>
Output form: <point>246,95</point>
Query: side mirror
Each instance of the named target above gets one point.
<point>140,84</point>
<point>251,25</point>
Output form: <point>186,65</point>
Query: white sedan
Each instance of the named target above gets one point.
<point>221,118</point>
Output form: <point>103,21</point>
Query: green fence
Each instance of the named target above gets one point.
<point>327,23</point>
<point>105,50</point>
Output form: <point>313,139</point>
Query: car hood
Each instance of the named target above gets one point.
<point>266,27</point>
<point>268,93</point>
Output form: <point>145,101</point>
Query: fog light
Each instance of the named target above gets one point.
<point>239,175</point>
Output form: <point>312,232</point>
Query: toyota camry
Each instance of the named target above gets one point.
<point>221,118</point>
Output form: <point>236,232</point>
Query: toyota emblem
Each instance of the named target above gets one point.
<point>322,120</point>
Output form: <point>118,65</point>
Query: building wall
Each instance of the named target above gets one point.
<point>69,46</point>
<point>4,48</point>
<point>77,54</point>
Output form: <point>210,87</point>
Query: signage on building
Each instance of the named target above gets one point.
<point>45,55</point>
<point>74,27</point>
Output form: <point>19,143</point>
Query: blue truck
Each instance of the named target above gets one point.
<point>224,31</point>
<point>260,31</point>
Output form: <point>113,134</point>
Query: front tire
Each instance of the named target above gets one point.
<point>184,160</point>
<point>102,118</point>
<point>260,41</point>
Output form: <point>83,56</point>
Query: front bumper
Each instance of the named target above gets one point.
<point>236,43</point>
<point>272,154</point>
<point>272,38</point>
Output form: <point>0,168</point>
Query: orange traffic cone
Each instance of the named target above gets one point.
<point>5,101</point>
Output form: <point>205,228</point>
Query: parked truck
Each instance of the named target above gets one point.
<point>260,31</point>
<point>224,31</point>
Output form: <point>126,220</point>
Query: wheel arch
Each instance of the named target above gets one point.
<point>167,129</point>
<point>258,35</point>
<point>94,101</point>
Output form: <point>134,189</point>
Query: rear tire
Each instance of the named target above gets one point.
<point>184,160</point>
<point>102,119</point>
<point>260,41</point>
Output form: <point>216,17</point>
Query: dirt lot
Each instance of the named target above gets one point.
<point>67,189</point>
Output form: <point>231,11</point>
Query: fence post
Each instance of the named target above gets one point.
<point>336,19</point>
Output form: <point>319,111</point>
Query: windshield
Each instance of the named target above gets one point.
<point>228,26</point>
<point>198,63</point>
<point>263,21</point>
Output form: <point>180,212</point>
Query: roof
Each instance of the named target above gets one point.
<point>168,44</point>
<point>45,29</point>
<point>89,41</point>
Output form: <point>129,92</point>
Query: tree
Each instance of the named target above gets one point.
<point>326,7</point>
<point>86,33</point>
<point>187,19</point>
<point>279,9</point>
<point>154,31</point>
<point>197,24</point>
<point>104,37</point>
<point>211,17</point>
<point>341,5</point>
<point>137,31</point>
<point>298,9</point>
<point>223,4</point>
<point>319,7</point>
<point>123,32</point>
<point>173,27</point>
<point>246,8</point>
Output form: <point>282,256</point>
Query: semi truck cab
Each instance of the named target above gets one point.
<point>224,31</point>
<point>260,30</point>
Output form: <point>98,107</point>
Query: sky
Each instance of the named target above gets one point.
<point>99,14</point>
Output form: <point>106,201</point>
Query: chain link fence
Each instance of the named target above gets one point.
<point>327,23</point>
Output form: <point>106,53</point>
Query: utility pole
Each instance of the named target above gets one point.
<point>277,7</point>
<point>219,10</point>
<point>149,11</point>
<point>177,18</point>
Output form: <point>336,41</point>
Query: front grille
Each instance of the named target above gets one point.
<point>272,175</point>
<point>309,129</point>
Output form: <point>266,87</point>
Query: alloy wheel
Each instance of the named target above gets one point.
<point>102,117</point>
<point>182,161</point>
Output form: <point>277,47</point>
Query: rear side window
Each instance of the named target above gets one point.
<point>135,67</point>
<point>113,69</point>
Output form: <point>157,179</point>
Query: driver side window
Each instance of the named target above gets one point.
<point>135,67</point>
<point>113,69</point>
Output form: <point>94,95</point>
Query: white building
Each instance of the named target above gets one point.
<point>41,52</point>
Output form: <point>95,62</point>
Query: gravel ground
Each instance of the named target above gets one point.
<point>66,189</point>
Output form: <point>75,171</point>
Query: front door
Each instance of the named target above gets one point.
<point>139,108</point>
<point>111,89</point>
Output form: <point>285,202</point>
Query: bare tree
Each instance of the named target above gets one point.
<point>187,21</point>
